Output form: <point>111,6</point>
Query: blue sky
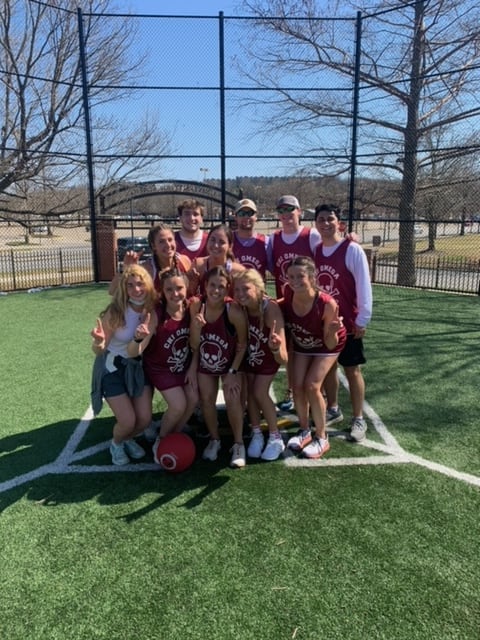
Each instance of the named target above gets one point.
<point>180,7</point>
<point>183,52</point>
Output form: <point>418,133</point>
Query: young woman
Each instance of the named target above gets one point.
<point>118,374</point>
<point>266,351</point>
<point>219,333</point>
<point>220,254</point>
<point>167,358</point>
<point>161,239</point>
<point>318,336</point>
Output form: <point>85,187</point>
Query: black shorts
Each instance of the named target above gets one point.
<point>352,353</point>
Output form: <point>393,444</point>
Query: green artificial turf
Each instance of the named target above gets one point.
<point>386,551</point>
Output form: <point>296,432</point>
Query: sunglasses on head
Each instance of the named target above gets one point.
<point>286,209</point>
<point>245,213</point>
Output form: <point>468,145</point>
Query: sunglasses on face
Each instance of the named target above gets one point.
<point>281,210</point>
<point>245,213</point>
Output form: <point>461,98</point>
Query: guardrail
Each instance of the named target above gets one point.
<point>432,272</point>
<point>44,268</point>
<point>20,269</point>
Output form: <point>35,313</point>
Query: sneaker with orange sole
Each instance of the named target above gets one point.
<point>300,440</point>
<point>316,448</point>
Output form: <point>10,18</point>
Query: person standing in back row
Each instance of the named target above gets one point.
<point>283,246</point>
<point>249,247</point>
<point>190,239</point>
<point>343,272</point>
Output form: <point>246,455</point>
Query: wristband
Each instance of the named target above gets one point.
<point>138,340</point>
<point>234,371</point>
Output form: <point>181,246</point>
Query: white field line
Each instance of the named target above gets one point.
<point>394,454</point>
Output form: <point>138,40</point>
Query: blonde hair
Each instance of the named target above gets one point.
<point>116,309</point>
<point>252,276</point>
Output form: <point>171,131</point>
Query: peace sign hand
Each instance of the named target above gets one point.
<point>200,316</point>
<point>274,341</point>
<point>143,329</point>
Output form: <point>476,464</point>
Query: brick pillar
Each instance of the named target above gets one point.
<point>107,250</point>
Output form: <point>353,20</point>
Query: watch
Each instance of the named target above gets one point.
<point>234,371</point>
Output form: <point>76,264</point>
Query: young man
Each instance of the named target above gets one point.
<point>343,272</point>
<point>190,239</point>
<point>283,246</point>
<point>249,247</point>
<point>290,241</point>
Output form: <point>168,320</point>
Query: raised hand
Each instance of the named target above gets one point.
<point>336,323</point>
<point>199,317</point>
<point>143,329</point>
<point>132,257</point>
<point>98,333</point>
<point>274,341</point>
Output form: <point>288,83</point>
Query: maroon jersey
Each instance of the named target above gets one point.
<point>218,343</point>
<point>307,331</point>
<point>259,357</point>
<point>168,356</point>
<point>185,251</point>
<point>252,254</point>
<point>334,278</point>
<point>283,254</point>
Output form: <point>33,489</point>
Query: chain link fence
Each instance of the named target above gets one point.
<point>236,120</point>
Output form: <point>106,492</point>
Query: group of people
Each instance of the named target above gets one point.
<point>197,314</point>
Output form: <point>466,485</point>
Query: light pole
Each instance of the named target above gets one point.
<point>204,170</point>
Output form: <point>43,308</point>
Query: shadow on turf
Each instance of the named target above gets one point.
<point>23,456</point>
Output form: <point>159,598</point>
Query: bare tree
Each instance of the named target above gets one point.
<point>42,108</point>
<point>418,73</point>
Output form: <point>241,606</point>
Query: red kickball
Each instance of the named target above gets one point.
<point>176,452</point>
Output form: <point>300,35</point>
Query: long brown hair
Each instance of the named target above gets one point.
<point>152,234</point>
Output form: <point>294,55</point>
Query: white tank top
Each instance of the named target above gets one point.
<point>123,335</point>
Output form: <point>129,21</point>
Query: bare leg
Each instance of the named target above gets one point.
<point>356,385</point>
<point>208,389</point>
<point>314,379</point>
<point>259,387</point>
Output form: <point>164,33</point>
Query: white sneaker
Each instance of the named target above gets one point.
<point>358,430</point>
<point>151,432</point>
<point>133,449</point>
<point>255,447</point>
<point>238,456</point>
<point>211,450</point>
<point>274,449</point>
<point>118,453</point>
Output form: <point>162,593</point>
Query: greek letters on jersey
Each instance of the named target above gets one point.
<point>178,346</point>
<point>169,348</point>
<point>257,346</point>
<point>283,254</point>
<point>307,330</point>
<point>252,255</point>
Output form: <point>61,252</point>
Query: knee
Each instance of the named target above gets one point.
<point>353,373</point>
<point>176,410</point>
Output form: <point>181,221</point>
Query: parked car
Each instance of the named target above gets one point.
<point>133,244</point>
<point>40,230</point>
